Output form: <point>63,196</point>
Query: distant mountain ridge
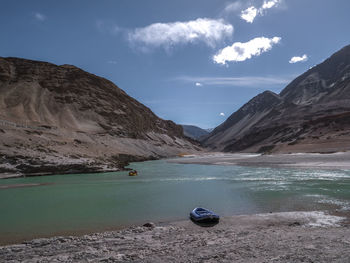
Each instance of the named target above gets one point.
<point>194,132</point>
<point>64,119</point>
<point>311,114</point>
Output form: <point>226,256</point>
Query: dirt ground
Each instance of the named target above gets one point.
<point>338,160</point>
<point>277,237</point>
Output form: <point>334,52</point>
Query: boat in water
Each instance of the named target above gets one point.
<point>202,215</point>
<point>133,173</point>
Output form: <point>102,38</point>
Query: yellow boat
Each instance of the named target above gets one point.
<point>133,173</point>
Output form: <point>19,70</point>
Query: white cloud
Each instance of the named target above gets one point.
<point>112,62</point>
<point>298,59</point>
<point>251,12</point>
<point>198,84</point>
<point>233,7</point>
<point>166,35</point>
<point>222,114</point>
<point>270,4</point>
<point>243,51</point>
<point>246,81</point>
<point>40,17</point>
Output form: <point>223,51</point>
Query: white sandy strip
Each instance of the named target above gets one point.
<point>313,218</point>
<point>223,155</point>
<point>339,164</point>
<point>296,160</point>
<point>224,163</point>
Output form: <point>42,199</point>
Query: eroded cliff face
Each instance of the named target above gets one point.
<point>312,114</point>
<point>63,119</point>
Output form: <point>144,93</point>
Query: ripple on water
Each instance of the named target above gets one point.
<point>320,175</point>
<point>344,206</point>
<point>325,199</point>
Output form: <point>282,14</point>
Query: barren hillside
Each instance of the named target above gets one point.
<point>312,114</point>
<point>58,119</point>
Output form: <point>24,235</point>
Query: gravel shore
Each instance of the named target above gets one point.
<point>338,160</point>
<point>277,237</point>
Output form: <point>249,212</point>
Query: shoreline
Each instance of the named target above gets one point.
<point>321,161</point>
<point>22,175</point>
<point>342,216</point>
<point>279,237</point>
<point>23,185</point>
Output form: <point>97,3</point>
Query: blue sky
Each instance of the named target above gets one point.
<point>193,62</point>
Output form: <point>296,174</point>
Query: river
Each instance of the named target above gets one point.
<point>82,203</point>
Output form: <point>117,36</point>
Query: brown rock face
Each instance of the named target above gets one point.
<point>312,114</point>
<point>61,115</point>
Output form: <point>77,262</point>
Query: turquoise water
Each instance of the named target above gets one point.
<point>162,192</point>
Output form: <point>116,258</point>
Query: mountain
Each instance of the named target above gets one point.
<point>61,119</point>
<point>194,132</point>
<point>312,114</point>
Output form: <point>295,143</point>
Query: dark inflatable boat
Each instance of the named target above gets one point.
<point>202,215</point>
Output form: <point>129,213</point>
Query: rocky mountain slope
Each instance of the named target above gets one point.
<point>312,114</point>
<point>61,119</point>
<point>194,132</point>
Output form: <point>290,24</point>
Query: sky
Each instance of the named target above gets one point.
<point>193,62</point>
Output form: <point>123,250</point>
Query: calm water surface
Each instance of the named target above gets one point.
<point>162,192</point>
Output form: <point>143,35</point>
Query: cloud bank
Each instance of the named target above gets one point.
<point>251,12</point>
<point>209,31</point>
<point>298,59</point>
<point>243,51</point>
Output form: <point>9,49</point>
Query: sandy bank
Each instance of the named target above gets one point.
<point>280,237</point>
<point>340,160</point>
<point>22,185</point>
<point>10,175</point>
